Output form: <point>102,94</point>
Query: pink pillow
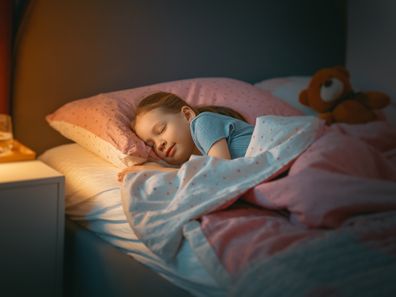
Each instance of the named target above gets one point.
<point>101,123</point>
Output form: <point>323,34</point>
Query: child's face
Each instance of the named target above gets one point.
<point>168,133</point>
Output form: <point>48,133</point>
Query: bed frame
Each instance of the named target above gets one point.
<point>72,49</point>
<point>93,267</point>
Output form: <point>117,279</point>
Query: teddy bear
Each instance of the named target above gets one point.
<point>330,93</point>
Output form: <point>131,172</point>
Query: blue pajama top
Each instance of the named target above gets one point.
<point>207,128</point>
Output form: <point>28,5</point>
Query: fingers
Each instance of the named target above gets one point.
<point>137,168</point>
<point>121,174</point>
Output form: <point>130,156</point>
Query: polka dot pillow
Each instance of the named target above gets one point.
<point>101,123</point>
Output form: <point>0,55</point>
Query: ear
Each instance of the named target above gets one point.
<point>303,98</point>
<point>188,113</point>
<point>342,69</point>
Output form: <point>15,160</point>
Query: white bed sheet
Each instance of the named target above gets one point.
<point>92,198</point>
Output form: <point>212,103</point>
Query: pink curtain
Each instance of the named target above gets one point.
<point>5,54</point>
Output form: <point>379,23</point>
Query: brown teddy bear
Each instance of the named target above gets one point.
<point>330,94</point>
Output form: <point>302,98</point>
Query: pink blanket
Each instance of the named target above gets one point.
<point>349,170</point>
<point>338,176</point>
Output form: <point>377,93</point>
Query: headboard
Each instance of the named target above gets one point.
<point>72,49</point>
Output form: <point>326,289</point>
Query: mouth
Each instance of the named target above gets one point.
<point>170,152</point>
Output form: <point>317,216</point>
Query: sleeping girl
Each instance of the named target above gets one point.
<point>328,173</point>
<point>175,130</point>
<point>330,177</point>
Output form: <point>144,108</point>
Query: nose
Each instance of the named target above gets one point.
<point>161,145</point>
<point>328,83</point>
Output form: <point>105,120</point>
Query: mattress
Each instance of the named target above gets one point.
<point>92,199</point>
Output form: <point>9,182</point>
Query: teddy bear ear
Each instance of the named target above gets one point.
<point>342,69</point>
<point>303,97</point>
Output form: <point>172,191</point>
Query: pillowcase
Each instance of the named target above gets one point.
<point>287,89</point>
<point>101,123</point>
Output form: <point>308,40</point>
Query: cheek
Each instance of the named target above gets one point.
<point>186,134</point>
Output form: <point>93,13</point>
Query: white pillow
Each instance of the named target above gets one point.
<point>288,89</point>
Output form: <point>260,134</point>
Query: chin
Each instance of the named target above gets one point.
<point>178,162</point>
<point>174,162</point>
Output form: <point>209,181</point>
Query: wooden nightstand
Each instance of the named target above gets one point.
<point>31,229</point>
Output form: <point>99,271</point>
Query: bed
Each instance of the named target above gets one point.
<point>93,202</point>
<point>101,56</point>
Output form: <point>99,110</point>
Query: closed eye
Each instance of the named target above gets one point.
<point>160,129</point>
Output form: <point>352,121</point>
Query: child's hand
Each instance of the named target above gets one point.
<point>146,166</point>
<point>123,172</point>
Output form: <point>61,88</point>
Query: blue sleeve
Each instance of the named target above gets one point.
<point>208,128</point>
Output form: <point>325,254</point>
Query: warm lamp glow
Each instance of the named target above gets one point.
<point>27,170</point>
<point>5,53</point>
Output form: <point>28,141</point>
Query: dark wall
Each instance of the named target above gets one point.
<point>371,45</point>
<point>72,49</point>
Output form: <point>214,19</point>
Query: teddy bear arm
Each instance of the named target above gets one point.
<point>374,100</point>
<point>327,117</point>
<point>353,112</point>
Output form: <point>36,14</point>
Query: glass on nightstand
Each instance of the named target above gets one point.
<point>5,133</point>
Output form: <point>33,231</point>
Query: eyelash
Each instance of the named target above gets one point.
<point>160,131</point>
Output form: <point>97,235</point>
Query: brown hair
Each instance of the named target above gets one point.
<point>173,103</point>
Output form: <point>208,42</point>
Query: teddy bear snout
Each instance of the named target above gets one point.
<point>331,89</point>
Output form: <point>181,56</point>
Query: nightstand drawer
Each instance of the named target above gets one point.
<point>28,225</point>
<point>32,229</point>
